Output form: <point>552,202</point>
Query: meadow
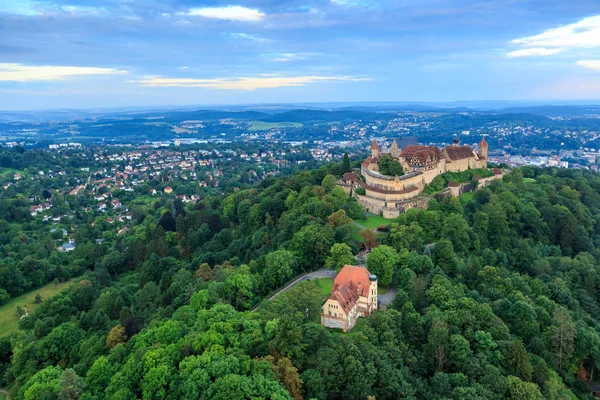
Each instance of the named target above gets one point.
<point>8,312</point>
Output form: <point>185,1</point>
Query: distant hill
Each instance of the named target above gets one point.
<point>320,116</point>
<point>554,111</point>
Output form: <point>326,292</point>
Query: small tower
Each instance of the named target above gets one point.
<point>372,301</point>
<point>456,141</point>
<point>482,150</point>
<point>374,149</point>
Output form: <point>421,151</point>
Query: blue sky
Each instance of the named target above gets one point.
<point>111,53</point>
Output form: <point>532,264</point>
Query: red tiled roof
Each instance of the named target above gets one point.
<point>369,160</point>
<point>458,152</point>
<point>483,143</point>
<point>351,275</point>
<point>453,184</point>
<point>425,154</point>
<point>346,296</point>
<point>374,145</point>
<point>351,176</point>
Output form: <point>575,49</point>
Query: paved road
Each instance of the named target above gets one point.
<point>387,298</point>
<point>320,273</point>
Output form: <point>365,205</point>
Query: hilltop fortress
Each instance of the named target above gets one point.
<point>392,195</point>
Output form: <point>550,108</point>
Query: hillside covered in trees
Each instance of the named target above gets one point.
<point>498,297</point>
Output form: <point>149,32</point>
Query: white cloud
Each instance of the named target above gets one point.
<point>244,83</point>
<point>247,36</point>
<point>581,34</point>
<point>536,51</point>
<point>285,57</point>
<point>591,64</point>
<point>354,3</point>
<point>84,10</point>
<point>27,73</point>
<point>230,13</point>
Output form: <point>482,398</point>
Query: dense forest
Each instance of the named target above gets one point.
<point>498,297</point>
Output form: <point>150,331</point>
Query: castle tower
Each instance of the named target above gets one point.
<point>482,150</point>
<point>374,149</point>
<point>456,141</point>
<point>395,150</point>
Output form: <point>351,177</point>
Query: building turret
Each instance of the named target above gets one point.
<point>395,150</point>
<point>456,141</point>
<point>482,150</point>
<point>372,300</point>
<point>374,149</point>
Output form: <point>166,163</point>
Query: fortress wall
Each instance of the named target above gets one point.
<point>370,204</point>
<point>392,196</point>
<point>390,183</point>
<point>486,181</point>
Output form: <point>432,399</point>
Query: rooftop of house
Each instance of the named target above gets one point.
<point>353,276</point>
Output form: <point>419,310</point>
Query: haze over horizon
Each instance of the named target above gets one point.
<point>143,53</point>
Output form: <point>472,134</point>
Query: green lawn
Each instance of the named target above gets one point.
<point>528,180</point>
<point>466,197</point>
<point>265,126</point>
<point>356,233</point>
<point>6,173</point>
<point>8,312</point>
<point>325,284</point>
<point>146,199</point>
<point>383,289</point>
<point>373,221</point>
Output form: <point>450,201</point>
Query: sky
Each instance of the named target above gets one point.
<point>117,53</point>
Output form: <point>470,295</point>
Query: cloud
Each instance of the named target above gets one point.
<point>285,57</point>
<point>230,13</point>
<point>85,11</point>
<point>27,73</point>
<point>582,34</point>
<point>247,36</point>
<point>536,51</point>
<point>244,83</point>
<point>354,3</point>
<point>591,64</point>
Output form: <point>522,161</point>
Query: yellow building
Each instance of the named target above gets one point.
<point>354,294</point>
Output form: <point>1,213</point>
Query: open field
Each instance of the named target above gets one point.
<point>265,126</point>
<point>146,199</point>
<point>8,312</point>
<point>373,221</point>
<point>325,284</point>
<point>528,180</point>
<point>5,173</point>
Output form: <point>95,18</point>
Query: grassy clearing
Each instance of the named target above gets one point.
<point>265,126</point>
<point>373,221</point>
<point>466,197</point>
<point>528,180</point>
<point>325,284</point>
<point>6,173</point>
<point>8,312</point>
<point>146,199</point>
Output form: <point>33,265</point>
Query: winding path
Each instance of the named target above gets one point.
<point>320,273</point>
<point>5,392</point>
